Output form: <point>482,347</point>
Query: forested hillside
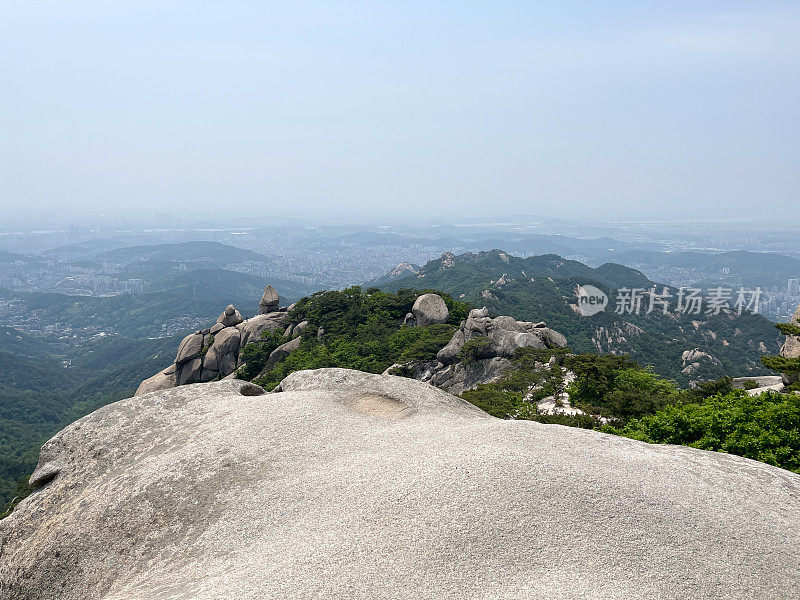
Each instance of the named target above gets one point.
<point>39,394</point>
<point>543,288</point>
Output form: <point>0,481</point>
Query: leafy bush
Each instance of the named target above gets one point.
<point>781,364</point>
<point>528,380</point>
<point>706,389</point>
<point>255,354</point>
<point>474,349</point>
<point>750,384</point>
<point>765,427</point>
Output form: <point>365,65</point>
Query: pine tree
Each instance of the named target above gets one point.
<point>788,367</point>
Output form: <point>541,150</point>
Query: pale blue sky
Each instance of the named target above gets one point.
<point>554,108</point>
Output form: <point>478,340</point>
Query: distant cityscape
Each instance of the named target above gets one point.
<point>97,263</point>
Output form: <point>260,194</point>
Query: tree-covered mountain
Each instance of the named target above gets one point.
<point>46,385</point>
<point>214,254</point>
<point>705,268</point>
<point>685,347</point>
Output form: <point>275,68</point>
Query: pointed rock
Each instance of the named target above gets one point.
<point>269,301</point>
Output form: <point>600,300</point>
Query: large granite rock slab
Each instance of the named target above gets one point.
<point>429,309</point>
<point>223,353</point>
<point>189,348</point>
<point>251,328</point>
<point>353,486</point>
<point>160,381</point>
<point>504,335</point>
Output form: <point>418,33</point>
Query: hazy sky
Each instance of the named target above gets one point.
<point>557,108</point>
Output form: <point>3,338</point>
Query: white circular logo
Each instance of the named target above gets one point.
<point>591,300</point>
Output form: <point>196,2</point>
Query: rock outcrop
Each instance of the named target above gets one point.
<point>489,343</point>
<point>693,359</point>
<point>763,383</point>
<point>791,349</point>
<point>269,301</point>
<point>355,486</point>
<point>429,309</point>
<point>230,317</point>
<point>212,354</point>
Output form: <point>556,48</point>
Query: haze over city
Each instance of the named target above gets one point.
<point>678,110</point>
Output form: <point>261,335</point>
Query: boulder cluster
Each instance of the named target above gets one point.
<point>213,353</point>
<point>480,351</point>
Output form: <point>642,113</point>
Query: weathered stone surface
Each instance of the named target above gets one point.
<point>409,321</point>
<point>208,375</point>
<point>505,334</point>
<point>269,301</point>
<point>217,327</point>
<point>251,328</point>
<point>693,359</point>
<point>223,352</point>
<point>459,377</point>
<point>765,383</point>
<point>429,309</point>
<point>282,352</point>
<point>300,328</point>
<point>189,372</point>
<point>552,338</point>
<point>230,317</point>
<point>189,348</point>
<point>160,381</point>
<point>357,486</point>
<point>449,353</point>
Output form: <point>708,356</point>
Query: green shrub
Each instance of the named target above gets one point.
<point>750,384</point>
<point>207,345</point>
<point>617,387</point>
<point>764,427</point>
<point>474,349</point>
<point>255,354</point>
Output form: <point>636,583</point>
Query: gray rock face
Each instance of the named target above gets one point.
<point>189,348</point>
<point>251,328</point>
<point>504,333</point>
<point>160,381</point>
<point>269,301</point>
<point>230,317</point>
<point>355,486</point>
<point>281,352</point>
<point>459,377</point>
<point>429,309</point>
<point>189,372</point>
<point>693,359</point>
<point>223,353</point>
<point>503,336</point>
